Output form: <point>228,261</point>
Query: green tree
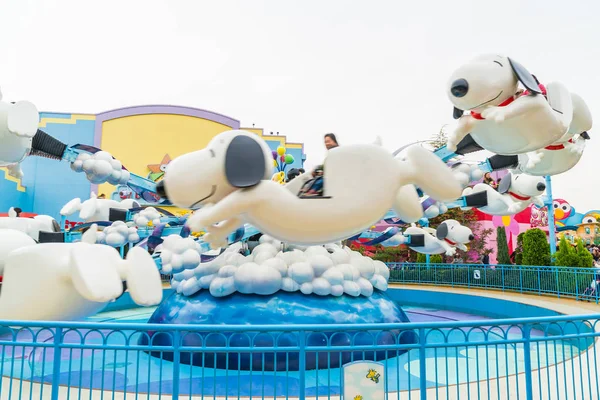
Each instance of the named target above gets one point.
<point>421,258</point>
<point>536,250</point>
<point>566,256</point>
<point>502,255</point>
<point>436,259</point>
<point>519,249</point>
<point>586,260</point>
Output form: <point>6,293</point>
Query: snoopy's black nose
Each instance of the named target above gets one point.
<point>541,186</point>
<point>459,88</point>
<point>471,237</point>
<point>160,190</point>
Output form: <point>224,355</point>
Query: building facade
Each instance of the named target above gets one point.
<point>143,138</point>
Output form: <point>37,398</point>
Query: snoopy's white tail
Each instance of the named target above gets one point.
<point>71,207</point>
<point>424,169</point>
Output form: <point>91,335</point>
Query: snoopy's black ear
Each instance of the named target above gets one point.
<point>525,77</point>
<point>457,113</point>
<point>442,231</point>
<point>505,182</point>
<point>55,226</point>
<point>244,162</point>
<point>585,135</point>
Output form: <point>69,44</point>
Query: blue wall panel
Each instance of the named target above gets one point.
<point>52,183</point>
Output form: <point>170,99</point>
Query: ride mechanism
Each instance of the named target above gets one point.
<point>47,146</point>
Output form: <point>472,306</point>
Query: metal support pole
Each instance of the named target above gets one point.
<point>425,223</point>
<point>551,226</point>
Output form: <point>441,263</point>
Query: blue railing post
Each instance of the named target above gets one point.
<point>422,365</point>
<point>521,279</point>
<point>424,222</point>
<point>56,363</point>
<point>527,362</point>
<point>176,362</point>
<point>557,282</point>
<point>302,365</point>
<point>551,226</point>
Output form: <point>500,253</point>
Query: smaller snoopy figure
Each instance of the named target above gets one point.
<point>18,125</point>
<point>448,236</point>
<point>95,209</point>
<point>514,194</point>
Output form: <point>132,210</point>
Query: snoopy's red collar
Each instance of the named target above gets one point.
<point>450,242</point>
<point>558,146</point>
<point>508,101</point>
<point>519,197</point>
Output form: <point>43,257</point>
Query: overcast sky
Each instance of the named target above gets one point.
<point>303,67</point>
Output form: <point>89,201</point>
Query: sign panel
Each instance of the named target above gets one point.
<point>364,380</point>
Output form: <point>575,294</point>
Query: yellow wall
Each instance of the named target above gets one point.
<point>144,139</point>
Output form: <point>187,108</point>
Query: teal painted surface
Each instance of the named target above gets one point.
<point>11,197</point>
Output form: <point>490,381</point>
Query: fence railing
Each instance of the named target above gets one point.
<point>562,282</point>
<point>549,358</point>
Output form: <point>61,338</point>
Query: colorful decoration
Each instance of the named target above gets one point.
<point>281,160</point>
<point>279,177</point>
<point>157,171</point>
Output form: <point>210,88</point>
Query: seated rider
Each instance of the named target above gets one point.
<point>314,187</point>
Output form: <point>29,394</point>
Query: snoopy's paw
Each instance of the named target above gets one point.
<point>451,144</point>
<point>215,241</point>
<point>496,114</point>
<point>450,252</point>
<point>534,158</point>
<point>513,208</point>
<point>574,149</point>
<point>198,221</point>
<point>15,171</point>
<point>22,119</point>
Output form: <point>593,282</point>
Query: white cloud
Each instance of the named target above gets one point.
<point>118,234</point>
<point>101,167</point>
<point>267,270</point>
<point>179,254</point>
<point>147,215</point>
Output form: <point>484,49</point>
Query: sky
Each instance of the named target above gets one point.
<point>361,69</point>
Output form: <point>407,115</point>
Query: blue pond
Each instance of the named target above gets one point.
<point>278,309</point>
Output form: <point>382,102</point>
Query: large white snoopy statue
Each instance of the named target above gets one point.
<point>231,180</point>
<point>69,281</point>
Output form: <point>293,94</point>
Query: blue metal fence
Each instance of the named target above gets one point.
<point>561,282</point>
<point>550,358</point>
<point>532,358</point>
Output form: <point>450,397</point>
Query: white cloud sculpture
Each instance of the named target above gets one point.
<point>147,215</point>
<point>101,167</point>
<point>331,270</point>
<point>118,234</point>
